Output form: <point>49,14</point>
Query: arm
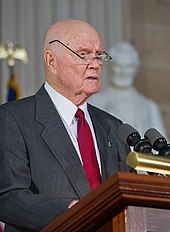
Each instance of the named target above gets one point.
<point>21,204</point>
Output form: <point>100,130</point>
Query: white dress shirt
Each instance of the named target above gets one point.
<point>67,111</point>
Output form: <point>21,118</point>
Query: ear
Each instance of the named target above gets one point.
<point>50,60</point>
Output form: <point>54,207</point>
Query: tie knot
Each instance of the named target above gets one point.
<point>79,114</point>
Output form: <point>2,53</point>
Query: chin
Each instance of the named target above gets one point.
<point>92,89</point>
<point>90,93</point>
<point>95,90</point>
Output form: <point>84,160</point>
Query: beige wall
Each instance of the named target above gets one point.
<point>147,25</point>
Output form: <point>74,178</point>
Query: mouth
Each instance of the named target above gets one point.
<point>92,78</point>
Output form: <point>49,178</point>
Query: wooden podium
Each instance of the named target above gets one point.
<point>125,202</point>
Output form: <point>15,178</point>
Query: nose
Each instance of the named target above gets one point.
<point>95,63</point>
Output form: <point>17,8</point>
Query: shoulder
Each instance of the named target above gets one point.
<point>103,115</point>
<point>17,106</point>
<point>23,105</point>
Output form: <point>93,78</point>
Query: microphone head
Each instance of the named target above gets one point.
<point>155,138</point>
<point>128,134</point>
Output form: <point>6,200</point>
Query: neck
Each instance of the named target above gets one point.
<point>77,99</point>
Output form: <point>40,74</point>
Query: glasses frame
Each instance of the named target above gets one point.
<point>107,55</point>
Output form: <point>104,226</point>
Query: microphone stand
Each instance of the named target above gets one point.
<point>149,162</point>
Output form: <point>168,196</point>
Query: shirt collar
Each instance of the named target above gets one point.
<point>64,106</point>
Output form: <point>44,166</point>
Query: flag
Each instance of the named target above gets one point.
<point>14,91</point>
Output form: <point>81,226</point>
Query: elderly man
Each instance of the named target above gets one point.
<point>54,146</point>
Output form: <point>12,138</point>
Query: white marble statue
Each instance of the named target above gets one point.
<point>122,99</point>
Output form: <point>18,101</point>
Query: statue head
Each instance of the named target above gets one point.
<point>124,64</point>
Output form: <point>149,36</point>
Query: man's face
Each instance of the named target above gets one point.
<point>75,77</point>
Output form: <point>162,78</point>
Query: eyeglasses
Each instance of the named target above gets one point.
<point>102,57</point>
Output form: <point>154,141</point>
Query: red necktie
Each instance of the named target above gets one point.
<point>1,228</point>
<point>87,150</point>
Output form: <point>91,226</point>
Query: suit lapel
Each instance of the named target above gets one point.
<point>57,139</point>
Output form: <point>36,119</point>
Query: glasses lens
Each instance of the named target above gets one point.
<point>105,58</point>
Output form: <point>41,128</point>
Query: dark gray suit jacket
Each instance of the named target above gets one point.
<point>40,172</point>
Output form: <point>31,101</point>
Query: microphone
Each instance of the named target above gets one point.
<point>132,137</point>
<point>159,143</point>
<point>142,158</point>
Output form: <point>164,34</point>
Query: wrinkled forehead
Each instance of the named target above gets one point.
<point>80,38</point>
